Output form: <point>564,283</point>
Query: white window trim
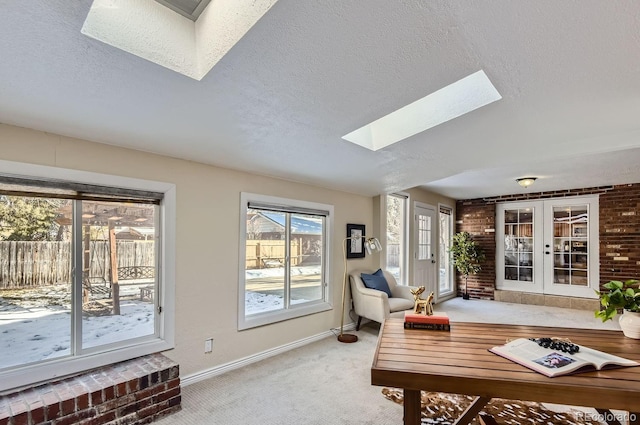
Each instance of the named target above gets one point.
<point>404,249</point>
<point>28,375</point>
<point>443,296</point>
<point>305,309</point>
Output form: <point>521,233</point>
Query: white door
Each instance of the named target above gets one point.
<point>519,247</point>
<point>549,247</point>
<point>572,247</point>
<point>425,264</point>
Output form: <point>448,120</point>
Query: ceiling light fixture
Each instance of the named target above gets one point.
<point>526,181</point>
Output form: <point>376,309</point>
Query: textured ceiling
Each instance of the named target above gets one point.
<point>310,72</point>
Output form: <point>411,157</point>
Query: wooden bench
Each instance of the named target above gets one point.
<point>272,262</point>
<point>146,293</point>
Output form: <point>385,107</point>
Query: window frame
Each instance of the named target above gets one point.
<point>450,269</point>
<point>404,234</point>
<point>28,375</point>
<point>291,311</point>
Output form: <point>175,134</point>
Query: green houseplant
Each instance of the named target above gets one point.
<point>466,255</point>
<point>621,295</point>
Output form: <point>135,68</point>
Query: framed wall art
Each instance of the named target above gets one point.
<point>355,240</point>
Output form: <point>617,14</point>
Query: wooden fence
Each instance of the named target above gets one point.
<point>29,264</point>
<point>393,255</point>
<point>270,253</point>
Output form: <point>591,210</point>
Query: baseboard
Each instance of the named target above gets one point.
<point>245,361</point>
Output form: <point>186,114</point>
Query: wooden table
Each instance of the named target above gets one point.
<point>458,362</point>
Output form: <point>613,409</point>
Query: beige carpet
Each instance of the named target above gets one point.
<point>328,382</point>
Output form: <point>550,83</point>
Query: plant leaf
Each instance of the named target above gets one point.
<point>614,284</point>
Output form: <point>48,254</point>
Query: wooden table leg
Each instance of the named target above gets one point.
<point>412,408</point>
<point>608,417</point>
<point>472,410</point>
<point>486,420</point>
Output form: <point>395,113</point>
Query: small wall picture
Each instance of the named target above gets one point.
<point>355,245</point>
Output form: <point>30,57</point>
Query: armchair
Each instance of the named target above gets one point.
<point>376,305</point>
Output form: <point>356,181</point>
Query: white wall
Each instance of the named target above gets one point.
<point>208,209</point>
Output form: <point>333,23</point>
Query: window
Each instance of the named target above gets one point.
<point>397,237</point>
<point>424,237</point>
<point>283,260</point>
<point>81,283</point>
<point>445,276</point>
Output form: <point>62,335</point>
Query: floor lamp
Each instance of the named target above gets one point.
<point>371,245</point>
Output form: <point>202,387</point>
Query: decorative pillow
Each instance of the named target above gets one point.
<point>376,281</point>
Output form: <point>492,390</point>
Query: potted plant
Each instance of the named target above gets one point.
<point>621,296</point>
<point>467,255</point>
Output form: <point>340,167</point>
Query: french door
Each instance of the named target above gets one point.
<point>549,247</point>
<point>425,264</point>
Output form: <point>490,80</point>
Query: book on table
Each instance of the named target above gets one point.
<point>436,318</point>
<point>428,326</point>
<point>551,362</point>
<point>436,322</point>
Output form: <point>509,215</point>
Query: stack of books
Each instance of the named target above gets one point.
<point>436,322</point>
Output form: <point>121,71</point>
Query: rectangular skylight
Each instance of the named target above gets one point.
<point>188,8</point>
<point>459,98</point>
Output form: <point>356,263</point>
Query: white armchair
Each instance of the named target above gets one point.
<point>376,305</point>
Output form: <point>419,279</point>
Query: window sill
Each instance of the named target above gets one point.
<point>268,318</point>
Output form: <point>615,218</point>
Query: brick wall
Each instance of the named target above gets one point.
<point>619,232</point>
<point>478,218</point>
<point>137,391</point>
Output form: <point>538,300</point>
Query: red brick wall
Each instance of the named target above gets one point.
<point>619,232</point>
<point>478,218</point>
<point>137,391</point>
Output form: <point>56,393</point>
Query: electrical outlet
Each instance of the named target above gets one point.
<point>208,345</point>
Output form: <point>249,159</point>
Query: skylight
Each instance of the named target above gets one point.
<point>188,8</point>
<point>452,101</point>
<point>190,42</point>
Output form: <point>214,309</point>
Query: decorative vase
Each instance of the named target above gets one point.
<point>630,324</point>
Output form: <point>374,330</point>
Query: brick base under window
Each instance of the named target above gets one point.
<point>137,391</point>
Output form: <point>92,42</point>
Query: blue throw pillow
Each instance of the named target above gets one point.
<point>376,281</point>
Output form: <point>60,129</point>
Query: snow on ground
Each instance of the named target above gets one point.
<point>279,271</point>
<point>36,333</point>
<point>256,302</point>
<point>36,330</point>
